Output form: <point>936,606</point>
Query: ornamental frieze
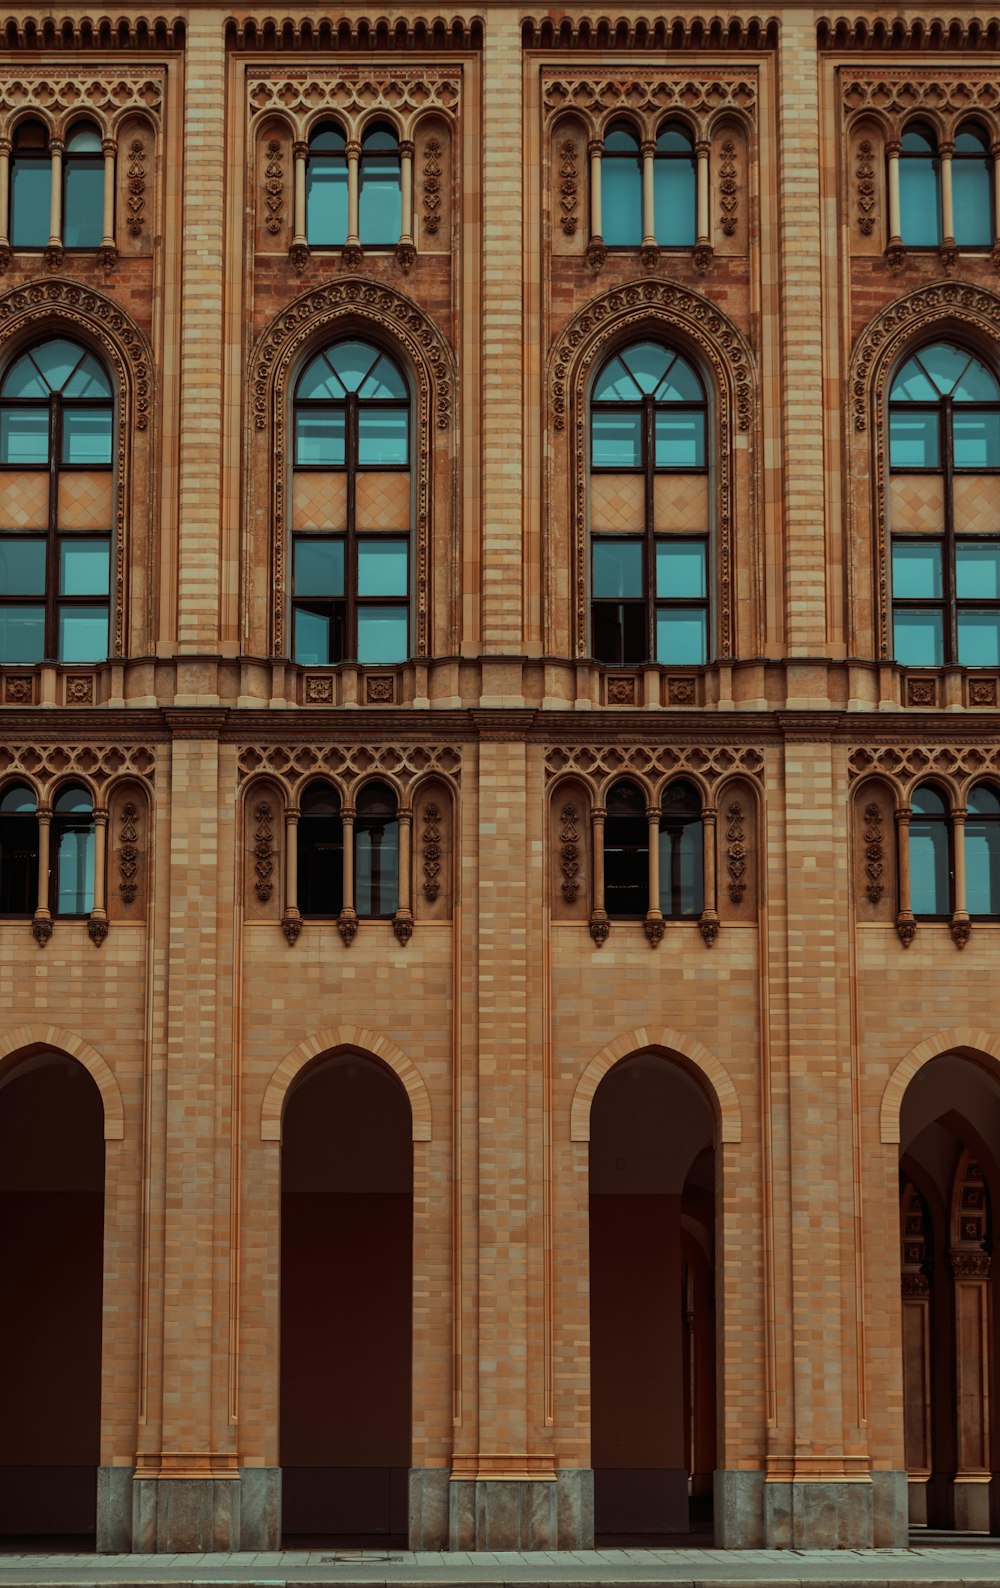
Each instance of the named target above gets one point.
<point>709,762</point>
<point>905,761</point>
<point>44,763</point>
<point>649,94</point>
<point>403,92</point>
<point>402,762</point>
<point>53,93</point>
<point>898,93</point>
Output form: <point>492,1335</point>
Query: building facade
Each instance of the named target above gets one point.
<point>499,780</point>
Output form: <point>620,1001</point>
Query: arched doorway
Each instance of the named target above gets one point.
<point>652,1240</point>
<point>949,1189</point>
<point>346,1302</point>
<point>51,1287</point>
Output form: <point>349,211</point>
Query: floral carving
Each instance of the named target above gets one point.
<point>921,692</point>
<point>380,690</point>
<point>263,849</point>
<point>274,187</point>
<point>736,852</point>
<point>430,844</point>
<point>432,186</point>
<point>650,94</point>
<point>915,1285</point>
<point>52,92</point>
<point>728,190</point>
<point>909,760</point>
<point>865,174</point>
<point>681,692</point>
<point>644,760</point>
<point>43,763</point>
<point>621,691</point>
<point>353,91</point>
<point>80,689</point>
<point>569,852</point>
<point>293,763</point>
<point>128,853</point>
<point>319,689</point>
<point>18,691</point>
<point>136,178</point>
<point>568,187</point>
<point>970,1265</point>
<point>983,692</point>
<point>874,852</point>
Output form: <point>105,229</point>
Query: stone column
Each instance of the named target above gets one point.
<point>906,926</point>
<point>54,247</point>
<point>961,926</point>
<point>5,148</point>
<point>406,252</point>
<point>97,926</point>
<point>299,247</point>
<point>403,923</point>
<point>352,245</point>
<point>291,920</point>
<point>653,925</point>
<point>347,921</point>
<point>709,923</point>
<point>108,253</point>
<point>600,926</point>
<point>973,1335</point>
<point>895,251</point>
<point>41,925</point>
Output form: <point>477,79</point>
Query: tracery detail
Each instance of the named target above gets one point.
<point>569,853</point>
<point>736,852</point>
<point>431,852</point>
<point>264,851</point>
<point>128,853</point>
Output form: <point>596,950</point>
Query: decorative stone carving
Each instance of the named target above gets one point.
<point>708,926</point>
<point>97,931</point>
<point>874,852</point>
<point>128,853</point>
<point>274,187</point>
<point>736,852</point>
<point>291,925</point>
<point>319,689</point>
<point>898,91</point>
<point>599,761</point>
<point>983,692</point>
<point>264,850</point>
<point>654,927</point>
<point>915,1285</point>
<point>649,95</point>
<point>41,930</point>
<point>292,763</point>
<point>961,930</point>
<point>54,93</point>
<point>970,1265</point>
<point>402,926</point>
<point>347,926</point>
<point>432,186</point>
<point>352,92</point>
<point>380,689</point>
<point>430,852</point>
<point>621,690</point>
<point>568,187</point>
<point>682,692</point>
<point>136,177</point>
<point>98,763</point>
<point>79,689</point>
<point>728,189</point>
<point>569,852</point>
<point>18,691</point>
<point>600,927</point>
<point>904,761</point>
<point>906,929</point>
<point>865,176</point>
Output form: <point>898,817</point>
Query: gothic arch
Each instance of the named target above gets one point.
<point>364,1041</point>
<point>39,1036</point>
<point>718,1083</point>
<point>960,1040</point>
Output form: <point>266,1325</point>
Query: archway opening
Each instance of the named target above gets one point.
<point>346,1303</point>
<point>652,1304</point>
<point>51,1289</point>
<point>949,1189</point>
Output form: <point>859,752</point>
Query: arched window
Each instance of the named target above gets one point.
<point>920,187</point>
<point>674,199</point>
<point>944,435</point>
<point>930,853</point>
<point>30,186</point>
<point>351,512</point>
<point>649,509</point>
<point>380,203</point>
<point>326,187</point>
<point>626,851</point>
<point>376,849</point>
<point>83,187</point>
<point>56,476</point>
<point>18,850</point>
<point>320,853</point>
<point>982,851</point>
<point>972,188</point>
<point>682,891</point>
<point>71,885</point>
<point>621,188</point>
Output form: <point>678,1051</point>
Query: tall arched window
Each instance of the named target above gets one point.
<point>944,444</point>
<point>972,188</point>
<point>376,849</point>
<point>326,187</point>
<point>56,505</point>
<point>649,509</point>
<point>30,186</point>
<point>674,200</point>
<point>621,188</point>
<point>930,852</point>
<point>71,885</point>
<point>351,511</point>
<point>682,887</point>
<point>920,187</point>
<point>626,851</point>
<point>982,851</point>
<point>18,850</point>
<point>83,187</point>
<point>320,852</point>
<point>380,203</point>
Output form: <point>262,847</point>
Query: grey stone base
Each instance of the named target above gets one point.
<point>427,1525</point>
<point>752,1514</point>
<point>972,1507</point>
<point>738,1509</point>
<point>201,1515</point>
<point>497,1513</point>
<point>114,1510</point>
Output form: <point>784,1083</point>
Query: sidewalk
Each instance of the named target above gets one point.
<point>945,1566</point>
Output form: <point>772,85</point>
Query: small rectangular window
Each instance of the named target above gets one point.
<point>681,636</point>
<point>680,440</point>
<point>914,442</point>
<point>83,634</point>
<point>918,637</point>
<point>680,569</point>
<point>30,203</point>
<point>319,437</point>
<point>316,632</point>
<point>83,220</point>
<point>22,634</point>
<point>74,868</point>
<point>383,435</point>
<point>22,566</point>
<point>380,205</point>
<point>24,435</point>
<point>382,568</point>
<point>976,438</point>
<point>326,202</point>
<point>617,568</point>
<point>86,435</point>
<point>979,638</point>
<point>319,566</point>
<point>382,634</point>
<point>616,439</point>
<point>674,203</point>
<point>916,570</point>
<point>84,567</point>
<point>977,573</point>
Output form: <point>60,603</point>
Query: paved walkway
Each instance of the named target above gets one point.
<point>946,1566</point>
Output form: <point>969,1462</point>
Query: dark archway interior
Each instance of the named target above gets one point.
<point>346,1303</point>
<point>51,1284</point>
<point>652,1221</point>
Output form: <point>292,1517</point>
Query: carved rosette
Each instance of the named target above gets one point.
<point>569,853</point>
<point>874,852</point>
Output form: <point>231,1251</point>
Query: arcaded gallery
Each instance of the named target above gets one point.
<point>499,777</point>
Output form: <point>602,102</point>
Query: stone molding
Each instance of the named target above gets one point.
<point>331,1039</point>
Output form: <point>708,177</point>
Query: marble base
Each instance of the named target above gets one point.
<point>496,1513</point>
<point>204,1515</point>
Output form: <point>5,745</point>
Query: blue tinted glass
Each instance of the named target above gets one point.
<point>977,570</point>
<point>979,639</point>
<point>617,568</point>
<point>383,435</point>
<point>384,381</point>
<point>680,568</point>
<point>319,436</point>
<point>615,384</point>
<point>87,380</point>
<point>30,202</point>
<point>376,868</point>
<point>382,634</point>
<point>916,570</point>
<point>327,140</point>
<point>647,363</point>
<point>57,359</point>
<point>83,215</point>
<point>983,801</point>
<point>929,891</point>
<point>680,384</point>
<point>680,440</point>
<point>382,568</point>
<point>24,435</point>
<point>681,866</point>
<point>84,567</point>
<point>86,435</point>
<point>380,205</point>
<point>318,380</point>
<point>972,199</point>
<point>22,567</point>
<point>674,202</point>
<point>319,567</point>
<point>22,634</point>
<point>976,435</point>
<point>913,439</point>
<point>312,638</point>
<point>681,636</point>
<point>918,638</point>
<point>352,361</point>
<point>616,439</point>
<point>621,201</point>
<point>24,380</point>
<point>84,139</point>
<point>17,800</point>
<point>326,201</point>
<point>982,867</point>
<point>74,865</point>
<point>912,384</point>
<point>920,202</point>
<point>83,634</point>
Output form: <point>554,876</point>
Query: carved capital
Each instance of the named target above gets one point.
<point>600,927</point>
<point>352,256</point>
<point>109,146</point>
<point>406,148</point>
<point>708,926</point>
<point>56,146</point>
<point>347,926</point>
<point>906,928</point>
<point>298,253</point>
<point>54,254</point>
<point>895,253</point>
<point>654,927</point>
<point>6,255</point>
<point>948,253</point>
<point>291,925</point>
<point>406,254</point>
<point>915,1285</point>
<point>107,257</point>
<point>595,146</point>
<point>352,149</point>
<point>961,930</point>
<point>41,929</point>
<point>649,256</point>
<point>703,255</point>
<point>402,927</point>
<point>969,1265</point>
<point>97,930</point>
<point>596,254</point>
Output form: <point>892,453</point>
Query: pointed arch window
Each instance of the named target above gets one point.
<point>83,187</point>
<point>972,188</point>
<point>380,199</point>
<point>30,186</point>
<point>982,851</point>
<point>621,188</point>
<point>18,851</point>
<point>626,851</point>
<point>326,187</point>
<point>920,187</point>
<point>56,505</point>
<point>71,882</point>
<point>674,187</point>
<point>682,891</point>
<point>930,853</point>
<point>376,849</point>
<point>320,852</point>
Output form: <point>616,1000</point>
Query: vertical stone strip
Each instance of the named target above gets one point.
<point>201,351</point>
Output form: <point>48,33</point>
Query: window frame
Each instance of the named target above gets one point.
<point>91,160</point>
<point>61,824</point>
<point>945,822</point>
<point>27,820</point>
<point>29,157</point>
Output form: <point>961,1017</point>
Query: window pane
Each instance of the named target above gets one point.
<point>384,381</point>
<point>86,435</point>
<point>57,359</point>
<point>919,203</point>
<point>618,568</point>
<point>647,363</point>
<point>312,637</point>
<point>24,435</point>
<point>84,567</point>
<point>319,436</point>
<point>979,639</point>
<point>929,890</point>
<point>912,385</point>
<point>22,567</point>
<point>326,201</point>
<point>615,384</point>
<point>30,202</point>
<point>376,878</point>
<point>83,222</point>
<point>982,867</point>
<point>681,636</point>
<point>74,865</point>
<point>681,868</point>
<point>22,634</point>
<point>383,435</point>
<point>972,196</point>
<point>674,202</point>
<point>977,570</point>
<point>621,201</point>
<point>913,439</point>
<point>87,380</point>
<point>319,567</point>
<point>18,862</point>
<point>24,380</point>
<point>382,568</point>
<point>916,570</point>
<point>380,203</point>
<point>680,440</point>
<point>680,568</point>
<point>616,439</point>
<point>382,634</point>
<point>976,438</point>
<point>918,638</point>
<point>83,634</point>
